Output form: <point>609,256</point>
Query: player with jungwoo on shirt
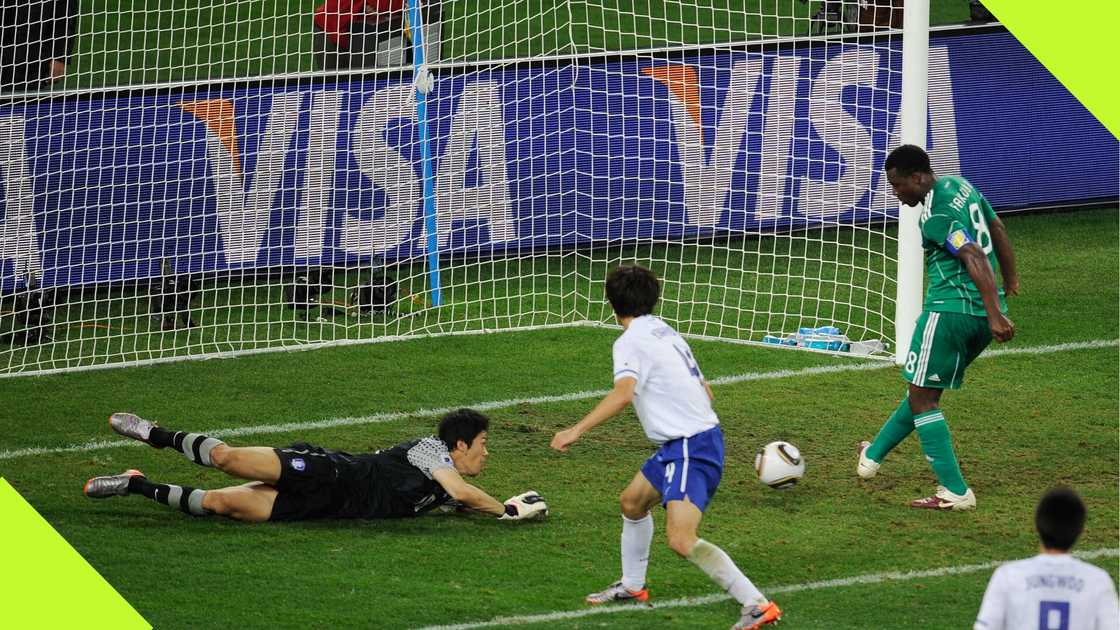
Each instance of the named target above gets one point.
<point>963,311</point>
<point>303,482</point>
<point>1053,590</point>
<point>654,369</point>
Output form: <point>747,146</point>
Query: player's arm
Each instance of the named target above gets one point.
<point>1005,255</point>
<point>525,506</point>
<point>470,496</point>
<point>976,263</point>
<point>956,240</point>
<point>708,388</point>
<point>993,610</point>
<point>1108,609</point>
<point>611,404</point>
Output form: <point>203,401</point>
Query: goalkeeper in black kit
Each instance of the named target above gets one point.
<point>303,482</point>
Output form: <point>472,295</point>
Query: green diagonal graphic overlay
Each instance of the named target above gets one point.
<point>1077,43</point>
<point>45,582</point>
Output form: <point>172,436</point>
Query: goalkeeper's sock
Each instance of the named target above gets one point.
<point>933,432</point>
<point>184,498</point>
<point>194,446</point>
<point>637,536</point>
<point>719,566</point>
<point>897,427</point>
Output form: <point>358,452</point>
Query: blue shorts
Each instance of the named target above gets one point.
<point>688,467</point>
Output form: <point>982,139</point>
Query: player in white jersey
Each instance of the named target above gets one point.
<point>1053,590</point>
<point>654,369</point>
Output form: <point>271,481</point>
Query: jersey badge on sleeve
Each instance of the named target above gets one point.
<point>956,240</point>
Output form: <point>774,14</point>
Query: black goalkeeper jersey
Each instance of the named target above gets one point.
<point>390,483</point>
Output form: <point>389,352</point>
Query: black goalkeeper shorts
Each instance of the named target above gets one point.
<point>308,484</point>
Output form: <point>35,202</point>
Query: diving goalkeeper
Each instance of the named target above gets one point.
<point>303,482</point>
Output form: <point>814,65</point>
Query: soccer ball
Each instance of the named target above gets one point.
<point>779,465</point>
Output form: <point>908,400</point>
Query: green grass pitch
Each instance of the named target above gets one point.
<point>125,42</point>
<point>1022,423</point>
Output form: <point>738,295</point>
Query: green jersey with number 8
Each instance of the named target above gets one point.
<point>953,215</point>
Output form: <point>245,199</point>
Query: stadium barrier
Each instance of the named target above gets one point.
<point>569,153</point>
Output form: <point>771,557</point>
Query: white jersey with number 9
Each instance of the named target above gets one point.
<point>1049,592</point>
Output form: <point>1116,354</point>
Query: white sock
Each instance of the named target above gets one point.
<point>636,539</point>
<point>719,566</point>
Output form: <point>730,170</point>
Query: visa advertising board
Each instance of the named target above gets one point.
<point>100,190</point>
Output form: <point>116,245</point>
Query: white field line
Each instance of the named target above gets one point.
<point>867,578</point>
<point>292,427</point>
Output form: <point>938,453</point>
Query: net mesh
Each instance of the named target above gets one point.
<point>186,179</point>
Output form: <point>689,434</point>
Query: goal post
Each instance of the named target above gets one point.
<point>914,110</point>
<point>253,177</point>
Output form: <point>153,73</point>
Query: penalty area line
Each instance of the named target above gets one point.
<point>703,600</point>
<point>314,425</point>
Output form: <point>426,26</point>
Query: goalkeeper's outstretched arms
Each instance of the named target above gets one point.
<point>464,434</point>
<point>525,506</point>
<point>611,404</point>
<point>470,496</point>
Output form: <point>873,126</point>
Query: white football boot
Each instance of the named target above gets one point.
<point>867,467</point>
<point>945,500</point>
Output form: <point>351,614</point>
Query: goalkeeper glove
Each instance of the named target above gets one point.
<point>526,506</point>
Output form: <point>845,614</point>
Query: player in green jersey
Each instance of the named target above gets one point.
<point>963,311</point>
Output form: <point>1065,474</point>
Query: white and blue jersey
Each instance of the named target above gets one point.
<point>1049,592</point>
<point>673,406</point>
<point>670,397</point>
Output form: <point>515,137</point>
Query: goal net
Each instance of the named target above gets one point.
<point>187,180</point>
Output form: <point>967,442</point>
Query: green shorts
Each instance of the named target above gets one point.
<point>942,347</point>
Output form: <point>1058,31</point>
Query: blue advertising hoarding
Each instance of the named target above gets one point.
<point>525,158</point>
